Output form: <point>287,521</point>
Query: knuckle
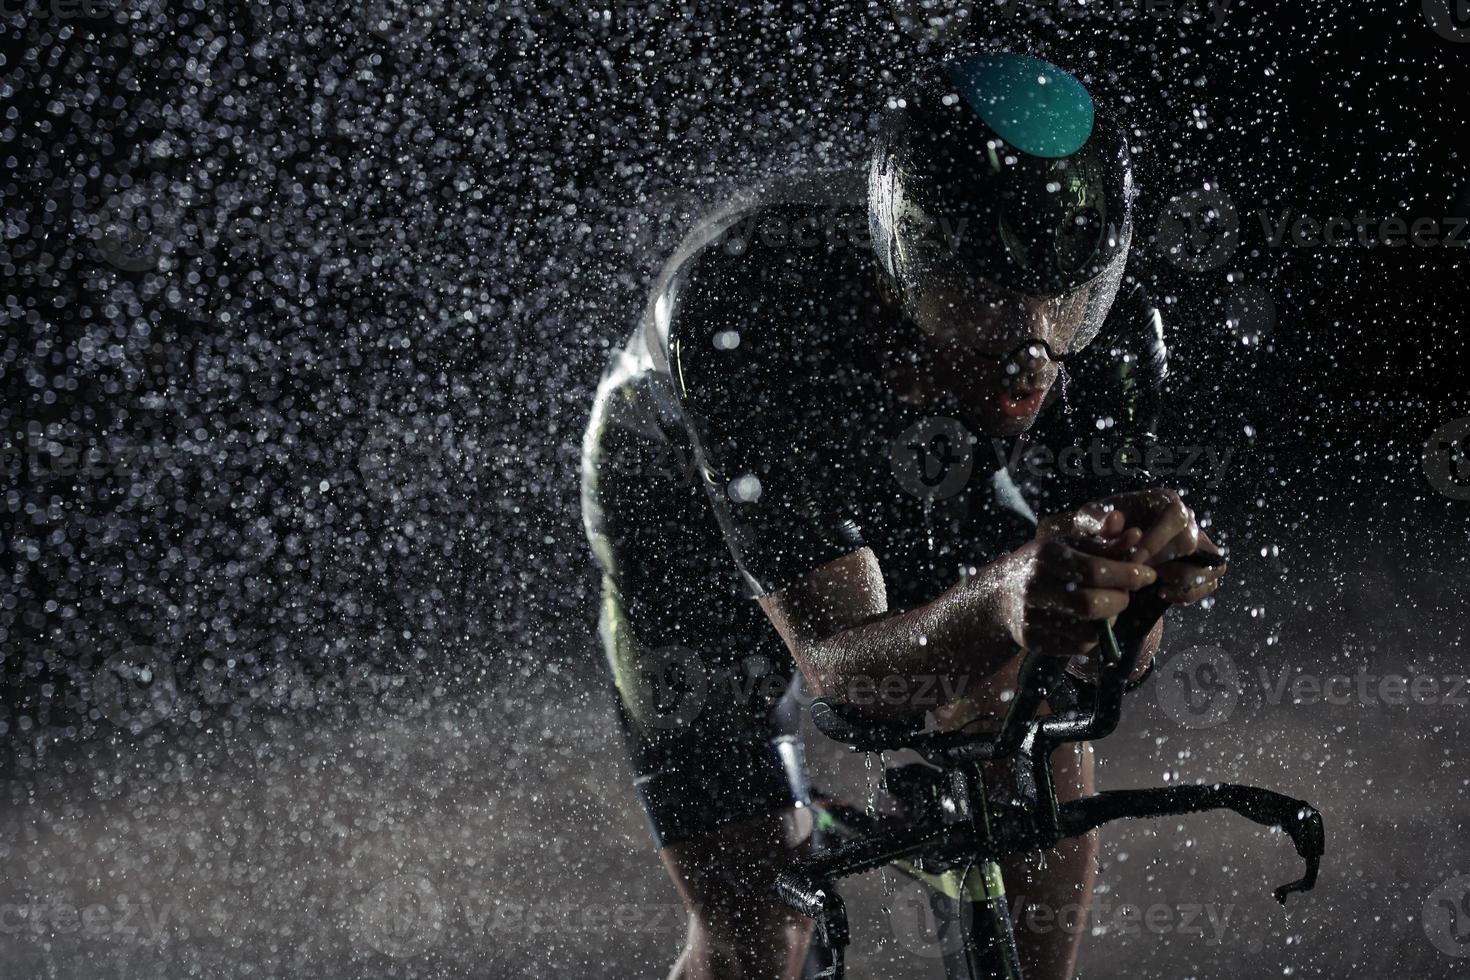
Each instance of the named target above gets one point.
<point>1054,551</point>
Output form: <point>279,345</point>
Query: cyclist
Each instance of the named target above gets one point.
<point>823,411</point>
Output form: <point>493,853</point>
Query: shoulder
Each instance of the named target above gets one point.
<point>774,293</point>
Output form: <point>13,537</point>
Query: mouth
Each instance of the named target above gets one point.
<point>1020,403</point>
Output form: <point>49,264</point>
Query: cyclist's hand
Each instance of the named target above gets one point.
<point>1168,530</point>
<point>1183,584</point>
<point>1067,583</point>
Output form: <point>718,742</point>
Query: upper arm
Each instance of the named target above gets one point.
<point>761,390</point>
<point>846,592</point>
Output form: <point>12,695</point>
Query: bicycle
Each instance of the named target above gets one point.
<point>952,827</point>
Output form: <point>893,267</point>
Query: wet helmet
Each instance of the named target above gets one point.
<point>999,202</point>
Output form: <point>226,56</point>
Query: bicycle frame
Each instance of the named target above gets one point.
<point>953,832</point>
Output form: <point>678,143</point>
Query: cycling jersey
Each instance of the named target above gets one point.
<point>750,432</point>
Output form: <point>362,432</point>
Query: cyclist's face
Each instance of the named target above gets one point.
<point>995,353</point>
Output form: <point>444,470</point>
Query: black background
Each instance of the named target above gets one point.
<point>351,455</point>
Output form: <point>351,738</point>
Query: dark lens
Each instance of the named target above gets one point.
<point>1079,239</point>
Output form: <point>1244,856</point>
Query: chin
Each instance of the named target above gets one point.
<point>1006,426</point>
<point>993,423</point>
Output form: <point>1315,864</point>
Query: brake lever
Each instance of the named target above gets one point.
<point>1301,821</point>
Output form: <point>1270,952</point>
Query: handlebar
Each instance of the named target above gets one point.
<point>1082,711</point>
<point>1300,820</point>
<point>1042,677</point>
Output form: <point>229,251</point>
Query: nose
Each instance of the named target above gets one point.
<point>1028,364</point>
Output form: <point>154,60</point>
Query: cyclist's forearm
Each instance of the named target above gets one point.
<point>964,632</point>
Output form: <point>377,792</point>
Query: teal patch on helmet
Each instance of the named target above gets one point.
<point>1032,104</point>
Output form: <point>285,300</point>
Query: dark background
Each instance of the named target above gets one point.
<point>304,305</point>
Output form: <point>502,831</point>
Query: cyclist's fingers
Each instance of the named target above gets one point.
<point>1182,576</point>
<point>1185,596</point>
<point>1082,603</point>
<point>1167,524</point>
<point>1069,565</point>
<point>1186,542</point>
<point>1141,506</point>
<point>1119,548</point>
